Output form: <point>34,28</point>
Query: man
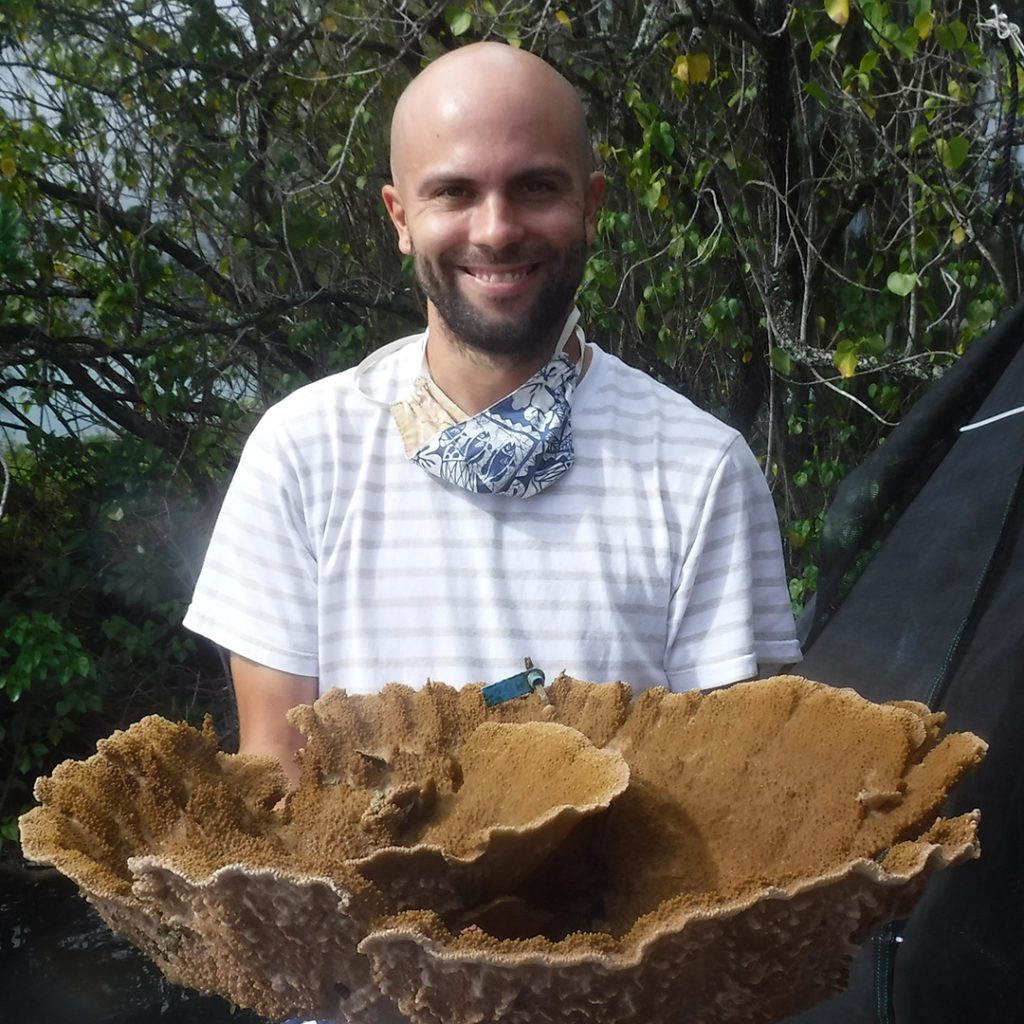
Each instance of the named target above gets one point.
<point>499,488</point>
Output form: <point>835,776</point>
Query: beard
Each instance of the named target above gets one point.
<point>525,334</point>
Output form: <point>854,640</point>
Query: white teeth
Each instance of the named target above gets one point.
<point>516,275</point>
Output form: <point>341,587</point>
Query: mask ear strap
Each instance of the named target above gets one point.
<point>376,356</point>
<point>567,332</point>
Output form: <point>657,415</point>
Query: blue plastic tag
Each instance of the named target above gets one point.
<point>520,685</point>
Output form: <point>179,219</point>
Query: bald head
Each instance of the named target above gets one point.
<point>489,79</point>
<point>494,197</point>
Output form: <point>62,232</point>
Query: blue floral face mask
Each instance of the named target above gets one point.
<point>518,446</point>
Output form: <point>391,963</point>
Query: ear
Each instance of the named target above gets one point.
<point>396,211</point>
<point>593,192</point>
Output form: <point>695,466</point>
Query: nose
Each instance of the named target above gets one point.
<point>496,222</point>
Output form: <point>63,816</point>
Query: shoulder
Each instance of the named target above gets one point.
<point>335,392</point>
<point>621,397</point>
<point>344,402</point>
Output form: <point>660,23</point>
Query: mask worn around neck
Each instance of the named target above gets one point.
<point>518,446</point>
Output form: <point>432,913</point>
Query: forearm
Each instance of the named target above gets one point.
<point>263,696</point>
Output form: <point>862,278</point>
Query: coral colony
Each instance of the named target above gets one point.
<point>575,855</point>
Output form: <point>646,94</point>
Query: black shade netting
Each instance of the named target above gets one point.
<point>922,598</point>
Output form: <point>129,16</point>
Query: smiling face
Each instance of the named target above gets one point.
<point>493,197</point>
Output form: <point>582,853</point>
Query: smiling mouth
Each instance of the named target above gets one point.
<point>500,276</point>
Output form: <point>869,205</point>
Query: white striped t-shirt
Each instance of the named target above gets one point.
<point>655,560</point>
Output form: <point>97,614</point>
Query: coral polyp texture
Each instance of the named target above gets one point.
<point>575,856</point>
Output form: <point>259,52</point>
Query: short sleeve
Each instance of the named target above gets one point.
<point>730,612</point>
<point>257,591</point>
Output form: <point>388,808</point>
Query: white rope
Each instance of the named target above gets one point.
<point>782,28</point>
<point>1004,29</point>
<point>993,419</point>
<point>7,484</point>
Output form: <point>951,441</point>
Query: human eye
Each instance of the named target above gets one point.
<point>452,192</point>
<point>538,187</point>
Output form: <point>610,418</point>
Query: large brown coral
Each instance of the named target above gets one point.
<point>576,856</point>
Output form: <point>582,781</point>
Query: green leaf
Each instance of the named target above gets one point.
<point>901,284</point>
<point>875,344</point>
<point>980,311</point>
<point>869,61</point>
<point>815,91</point>
<point>951,36</point>
<point>917,136</point>
<point>698,68</point>
<point>829,43</point>
<point>781,361</point>
<point>652,194</point>
<point>846,364</point>
<point>845,357</point>
<point>664,139</point>
<point>838,10</point>
<point>953,151</point>
<point>459,19</point>
<point>927,240</point>
<point>14,263</point>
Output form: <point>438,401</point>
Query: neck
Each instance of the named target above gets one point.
<point>475,380</point>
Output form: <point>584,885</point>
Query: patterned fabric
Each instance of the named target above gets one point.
<point>518,446</point>
<point>424,415</point>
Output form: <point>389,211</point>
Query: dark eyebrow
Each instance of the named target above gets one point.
<point>439,181</point>
<point>556,171</point>
<point>443,180</point>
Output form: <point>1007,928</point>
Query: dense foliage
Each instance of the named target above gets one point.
<point>813,208</point>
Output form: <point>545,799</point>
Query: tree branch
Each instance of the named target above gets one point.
<point>139,225</point>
